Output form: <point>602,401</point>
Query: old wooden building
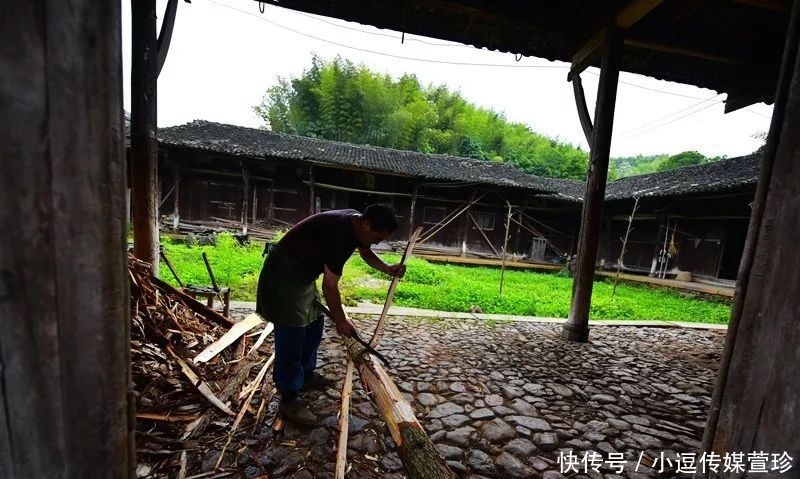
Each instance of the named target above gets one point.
<point>253,180</point>
<point>691,219</point>
<point>245,179</point>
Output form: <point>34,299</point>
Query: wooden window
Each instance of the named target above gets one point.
<point>485,221</point>
<point>433,214</point>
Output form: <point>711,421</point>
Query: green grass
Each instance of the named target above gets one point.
<point>451,287</point>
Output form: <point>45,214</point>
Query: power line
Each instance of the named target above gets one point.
<point>640,131</point>
<point>400,57</point>
<point>445,62</point>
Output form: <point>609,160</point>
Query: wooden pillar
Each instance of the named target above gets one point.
<point>412,208</point>
<point>144,149</point>
<point>64,313</point>
<point>176,215</point>
<point>577,326</point>
<point>310,190</point>
<point>245,197</point>
<point>755,401</point>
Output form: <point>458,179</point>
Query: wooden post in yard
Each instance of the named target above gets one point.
<point>577,326</point>
<point>245,197</point>
<point>505,248</point>
<point>412,208</point>
<point>64,313</point>
<point>144,150</point>
<point>310,190</point>
<point>176,215</point>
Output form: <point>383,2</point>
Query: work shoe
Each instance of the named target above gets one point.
<point>317,381</point>
<point>297,412</point>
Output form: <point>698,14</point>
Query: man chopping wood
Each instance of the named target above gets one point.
<point>320,244</point>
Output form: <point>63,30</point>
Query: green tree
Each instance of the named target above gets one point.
<point>686,158</point>
<point>338,100</point>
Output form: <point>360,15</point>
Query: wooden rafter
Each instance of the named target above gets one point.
<point>631,13</point>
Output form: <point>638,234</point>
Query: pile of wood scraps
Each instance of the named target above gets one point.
<point>200,381</point>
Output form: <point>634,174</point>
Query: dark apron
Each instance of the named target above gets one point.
<point>286,293</point>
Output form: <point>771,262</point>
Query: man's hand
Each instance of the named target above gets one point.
<point>345,327</point>
<point>398,270</point>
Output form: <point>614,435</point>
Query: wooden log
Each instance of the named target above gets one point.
<point>236,332</point>
<point>505,248</point>
<point>415,448</point>
<point>64,311</point>
<point>577,326</point>
<point>390,294</point>
<point>344,421</point>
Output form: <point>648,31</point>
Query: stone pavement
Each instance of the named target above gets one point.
<point>504,399</point>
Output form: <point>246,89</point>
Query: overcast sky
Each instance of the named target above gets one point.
<point>225,54</point>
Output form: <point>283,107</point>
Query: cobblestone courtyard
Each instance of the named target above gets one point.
<point>503,399</point>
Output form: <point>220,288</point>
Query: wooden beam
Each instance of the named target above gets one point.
<point>762,303</point>
<point>64,311</point>
<point>245,197</point>
<point>485,238</point>
<point>577,326</point>
<point>679,50</point>
<point>165,36</point>
<point>630,14</point>
<point>580,103</point>
<point>144,149</point>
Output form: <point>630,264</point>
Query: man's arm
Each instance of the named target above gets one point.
<point>330,289</point>
<point>375,262</point>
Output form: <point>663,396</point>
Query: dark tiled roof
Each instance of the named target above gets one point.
<point>238,140</point>
<point>720,175</point>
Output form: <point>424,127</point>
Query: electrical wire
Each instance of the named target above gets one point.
<point>643,129</point>
<point>400,57</point>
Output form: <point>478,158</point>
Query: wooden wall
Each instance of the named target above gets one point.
<point>212,187</point>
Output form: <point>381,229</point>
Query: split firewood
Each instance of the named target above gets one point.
<point>266,332</point>
<point>344,421</point>
<point>236,331</point>
<point>199,384</point>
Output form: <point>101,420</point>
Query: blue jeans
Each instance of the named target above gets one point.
<point>295,355</point>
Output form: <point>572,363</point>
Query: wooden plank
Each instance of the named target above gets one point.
<point>194,304</point>
<point>237,331</point>
<point>392,286</point>
<point>144,149</point>
<point>577,326</point>
<point>64,361</point>
<point>344,421</point>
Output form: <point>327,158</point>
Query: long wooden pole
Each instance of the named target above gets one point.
<point>577,326</point>
<point>344,423</point>
<point>624,245</point>
<point>390,294</point>
<point>144,150</point>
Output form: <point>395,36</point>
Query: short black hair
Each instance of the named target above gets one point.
<point>381,217</point>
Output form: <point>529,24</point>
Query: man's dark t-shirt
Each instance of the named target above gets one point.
<point>326,238</point>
